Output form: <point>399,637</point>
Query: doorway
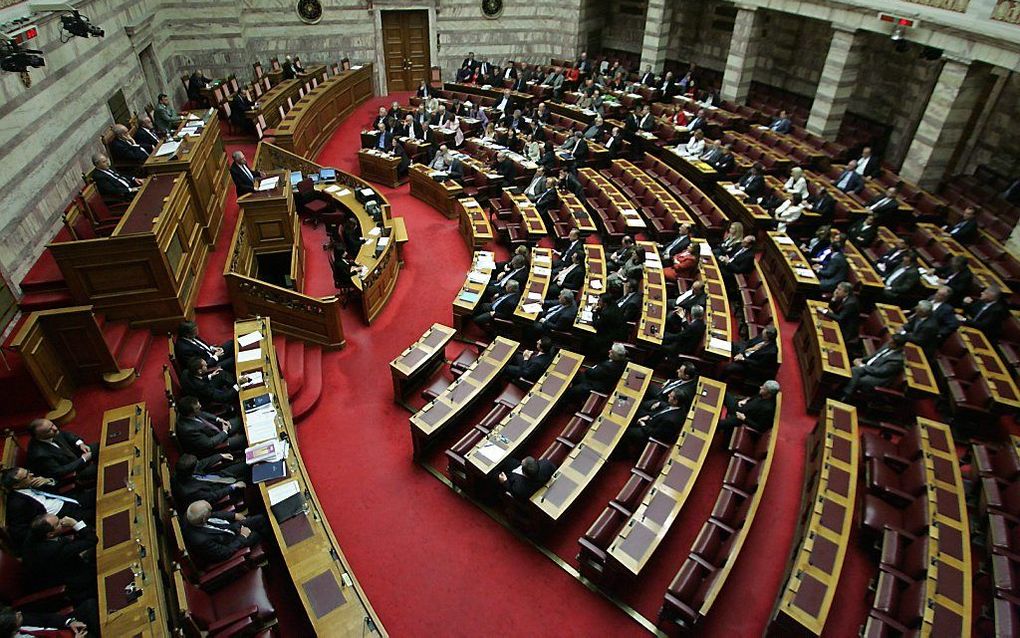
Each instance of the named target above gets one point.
<point>150,71</point>
<point>405,36</point>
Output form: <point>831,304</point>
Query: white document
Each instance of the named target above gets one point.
<point>596,284</point>
<point>332,189</point>
<point>254,378</point>
<point>805,272</point>
<point>261,430</point>
<point>491,453</point>
<point>282,491</point>
<point>720,344</point>
<point>343,193</point>
<point>532,308</point>
<point>541,271</point>
<point>534,296</point>
<point>783,239</point>
<point>375,232</point>
<point>486,259</point>
<point>477,277</point>
<point>268,183</point>
<point>249,355</point>
<point>383,241</point>
<point>167,148</point>
<point>706,250</point>
<point>542,259</point>
<point>246,340</point>
<point>192,116</point>
<point>586,316</point>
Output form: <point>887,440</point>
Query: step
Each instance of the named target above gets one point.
<point>280,345</point>
<point>114,333</point>
<point>44,276</point>
<point>312,385</point>
<point>295,368</point>
<point>46,300</point>
<point>133,350</point>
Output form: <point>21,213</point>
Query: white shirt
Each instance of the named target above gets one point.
<point>789,212</point>
<point>53,503</point>
<point>862,165</point>
<point>797,186</point>
<point>694,147</point>
<point>563,274</point>
<point>116,177</point>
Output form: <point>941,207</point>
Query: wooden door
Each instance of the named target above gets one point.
<point>405,49</point>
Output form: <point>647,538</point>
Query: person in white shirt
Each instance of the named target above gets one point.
<point>452,124</point>
<point>797,183</point>
<point>868,164</point>
<point>694,146</point>
<point>505,103</point>
<point>442,160</point>
<point>788,212</point>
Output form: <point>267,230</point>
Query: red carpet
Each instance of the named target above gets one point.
<point>433,563</point>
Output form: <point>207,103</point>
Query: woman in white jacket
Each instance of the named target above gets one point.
<point>797,183</point>
<point>789,211</point>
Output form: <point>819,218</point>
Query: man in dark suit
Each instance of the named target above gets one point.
<point>239,105</point>
<point>845,309</point>
<point>204,434</point>
<point>601,377</point>
<point>890,261</point>
<point>110,183</point>
<point>725,161</point>
<point>849,181</point>
<point>822,203</point>
<point>629,303</point>
<point>868,165</point>
<point>30,496</point>
<point>900,283</point>
<point>663,424</point>
<point>755,357</point>
<point>614,142</point>
<point>864,231</point>
<point>752,183</point>
<point>213,537</point>
<point>987,312</point>
<point>648,78</point>
<point>699,122</point>
<point>209,386</point>
<point>521,479</point>
<point>575,147</point>
<point>609,322</point>
<point>517,270</point>
<point>290,70</point>
<point>965,231</point>
<point>21,624</point>
<point>943,312</point>
<point>884,206</point>
<point>147,136</point>
<point>549,199</point>
<point>505,104</point>
<point>646,122</point>
<point>689,337</point>
<point>55,453</point>
<point>878,370</point>
<point>740,262</point>
<point>781,124</point>
<point>632,123</point>
<point>195,480</point>
<point>693,296</point>
<point>60,551</point>
<point>958,276</point>
<point>397,149</point>
<point>506,169</point>
<point>922,328</point>
<point>685,384</point>
<point>242,174</point>
<point>412,129</point>
<point>570,277</point>
<point>502,306</point>
<point>757,412</point>
<point>197,82</point>
<point>527,366</point>
<point>557,315</point>
<point>189,345</point>
<point>575,244</point>
<point>834,270</point>
<point>681,243</point>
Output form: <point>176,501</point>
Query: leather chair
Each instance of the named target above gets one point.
<point>1000,499</point>
<point>898,488</point>
<point>212,577</point>
<point>878,515</point>
<point>998,462</point>
<point>713,544</point>
<point>1007,617</point>
<point>898,454</point>
<point>310,204</point>
<point>906,561</point>
<point>13,592</point>
<point>1006,577</point>
<point>687,591</point>
<point>242,608</point>
<point>632,492</point>
<point>1003,537</point>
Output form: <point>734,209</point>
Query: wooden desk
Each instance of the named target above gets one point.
<point>436,415</point>
<point>583,463</point>
<point>572,208</point>
<point>439,195</point>
<point>514,430</point>
<point>824,361</point>
<point>983,275</point>
<point>826,517</point>
<point>329,591</point>
<point>626,208</point>
<point>672,206</point>
<point>788,273</point>
<point>268,106</point>
<point>130,550</point>
<point>652,323</point>
<point>474,223</point>
<point>314,117</point>
<point>381,168</point>
<point>995,373</point>
<point>203,161</point>
<point>594,286</point>
<point>733,201</point>
<point>532,221</point>
<point>475,282</point>
<point>916,369</point>
<point>693,169</point>
<point>535,289</point>
<point>642,534</point>
<point>419,359</point>
<point>719,326</point>
<point>862,271</point>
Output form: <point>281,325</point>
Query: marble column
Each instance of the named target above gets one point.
<point>943,124</point>
<point>743,55</point>
<point>836,86</point>
<point>658,19</point>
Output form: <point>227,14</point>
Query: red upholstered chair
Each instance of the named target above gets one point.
<point>311,204</point>
<point>1000,499</point>
<point>211,577</point>
<point>1003,536</point>
<point>687,590</point>
<point>12,591</point>
<point>1002,463</point>
<point>898,488</point>
<point>104,215</point>
<point>878,515</point>
<point>242,608</point>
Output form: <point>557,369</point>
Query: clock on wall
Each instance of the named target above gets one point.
<point>310,11</point>
<point>492,8</point>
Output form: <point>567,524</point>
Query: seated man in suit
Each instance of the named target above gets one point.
<point>397,149</point>
<point>987,312</point>
<point>22,624</point>
<point>197,480</point>
<point>124,148</point>
<point>629,302</point>
<point>878,370</point>
<point>521,479</point>
<point>693,296</point>
<point>609,322</point>
<point>505,103</point>
<point>864,231</point>
<point>166,118</point>
<point>204,434</point>
<point>781,124</point>
<point>147,136</point>
<point>210,386</point>
<point>943,312</point>
<point>60,551</point>
<point>663,424</point>
<point>646,121</point>
<point>922,328</point>
<point>822,203</point>
<point>197,82</point>
<point>54,453</point>
<point>537,185</point>
<point>550,197</point>
<point>30,496</point>
<point>517,270</point>
<point>601,377</point>
<point>557,315</point>
<point>965,231</point>
<point>213,537</point>
<point>845,309</point>
<point>757,412</point>
<point>242,174</point>
<point>575,244</point>
<point>849,181</point>
<point>890,261</point>
<point>900,283</point>
<point>569,277</point>
<point>616,259</point>
<point>740,262</point>
<point>189,345</point>
<point>110,183</point>
<point>755,357</point>
<point>884,206</point>
<point>681,243</point>
<point>752,183</point>
<point>502,306</point>
<point>834,270</point>
<point>957,276</point>
<point>239,105</point>
<point>684,384</point>
<point>574,148</point>
<point>506,169</point>
<point>868,165</point>
<point>687,339</point>
<point>614,143</point>
<point>526,366</point>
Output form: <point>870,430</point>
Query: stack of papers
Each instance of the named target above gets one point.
<point>254,378</point>
<point>783,239</point>
<point>246,340</point>
<point>477,277</point>
<point>532,308</point>
<point>486,260</point>
<point>534,296</point>
<point>705,250</point>
<point>805,272</point>
<point>249,355</point>
<point>542,259</point>
<point>596,284</point>
<point>491,452</point>
<point>261,426</point>
<point>719,344</point>
<point>282,491</point>
<point>268,451</point>
<point>268,183</point>
<point>168,148</point>
<point>541,271</point>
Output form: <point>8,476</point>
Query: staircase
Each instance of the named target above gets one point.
<point>129,347</point>
<point>301,365</point>
<point>44,286</point>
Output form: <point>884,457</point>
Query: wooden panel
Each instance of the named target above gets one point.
<point>406,41</point>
